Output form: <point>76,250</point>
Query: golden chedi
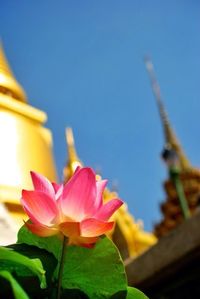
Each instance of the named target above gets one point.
<point>189,176</point>
<point>25,144</point>
<point>127,234</point>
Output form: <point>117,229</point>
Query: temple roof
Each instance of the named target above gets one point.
<point>8,83</point>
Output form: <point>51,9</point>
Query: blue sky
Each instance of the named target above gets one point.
<point>82,63</point>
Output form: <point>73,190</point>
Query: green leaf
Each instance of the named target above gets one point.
<point>134,293</point>
<point>9,256</point>
<point>48,260</point>
<point>18,292</point>
<point>98,272</point>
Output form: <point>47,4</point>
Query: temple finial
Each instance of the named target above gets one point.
<point>73,160</point>
<point>8,83</point>
<point>170,137</point>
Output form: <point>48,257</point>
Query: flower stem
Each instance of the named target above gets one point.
<point>60,272</point>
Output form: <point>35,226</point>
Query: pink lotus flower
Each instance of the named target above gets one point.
<point>75,209</point>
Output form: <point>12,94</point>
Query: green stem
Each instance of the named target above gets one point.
<point>60,272</point>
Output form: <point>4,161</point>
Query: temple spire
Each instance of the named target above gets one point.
<point>73,160</point>
<point>8,83</point>
<point>170,137</point>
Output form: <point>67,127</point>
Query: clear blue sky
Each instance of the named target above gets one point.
<point>82,63</point>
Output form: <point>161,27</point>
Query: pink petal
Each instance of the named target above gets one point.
<point>41,230</point>
<point>41,183</point>
<point>94,228</point>
<point>40,207</point>
<point>56,186</point>
<point>70,229</point>
<point>106,211</point>
<point>100,188</point>
<point>31,215</point>
<point>83,241</point>
<point>59,191</point>
<point>87,245</point>
<point>79,195</point>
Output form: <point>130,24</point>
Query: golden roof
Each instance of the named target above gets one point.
<point>8,83</point>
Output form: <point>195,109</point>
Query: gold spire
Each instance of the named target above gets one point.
<point>73,160</point>
<point>170,137</point>
<point>8,83</point>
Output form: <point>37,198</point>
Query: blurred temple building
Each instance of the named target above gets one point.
<point>188,176</point>
<point>27,145</point>
<point>171,268</point>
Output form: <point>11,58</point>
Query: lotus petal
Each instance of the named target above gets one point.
<point>100,188</point>
<point>41,183</point>
<point>70,229</point>
<point>40,207</point>
<point>41,230</point>
<point>79,195</point>
<point>107,210</point>
<point>94,228</point>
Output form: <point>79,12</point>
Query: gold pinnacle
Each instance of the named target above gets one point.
<point>73,160</point>
<point>8,83</point>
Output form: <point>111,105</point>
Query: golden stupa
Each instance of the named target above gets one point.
<point>189,176</point>
<point>25,144</point>
<point>128,235</point>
